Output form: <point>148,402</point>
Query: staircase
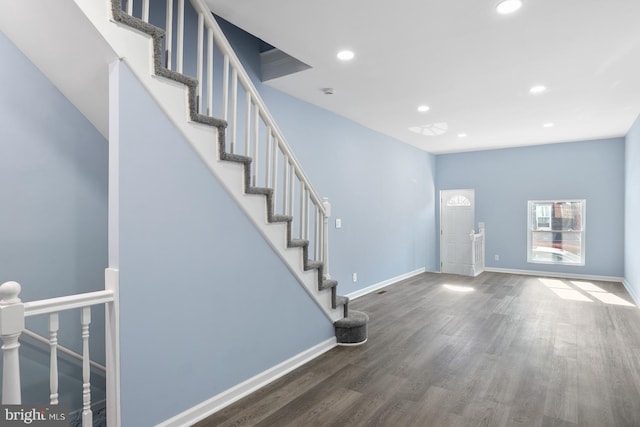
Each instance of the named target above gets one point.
<point>269,168</point>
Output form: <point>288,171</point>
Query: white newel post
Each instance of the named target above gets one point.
<point>11,326</point>
<point>325,236</point>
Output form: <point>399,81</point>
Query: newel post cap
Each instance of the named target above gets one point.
<point>327,206</point>
<point>11,309</point>
<point>9,292</point>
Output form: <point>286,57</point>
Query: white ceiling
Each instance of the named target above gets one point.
<point>473,67</point>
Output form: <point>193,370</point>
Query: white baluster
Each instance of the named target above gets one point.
<point>256,136</point>
<point>317,231</point>
<point>145,10</point>
<point>169,33</point>
<point>11,326</point>
<point>129,7</point>
<point>199,61</point>
<point>291,189</point>
<point>247,125</point>
<point>306,215</point>
<point>180,37</point>
<point>234,108</point>
<point>301,208</point>
<point>53,364</point>
<point>87,414</point>
<point>268,160</point>
<point>317,235</point>
<point>225,88</point>
<point>274,175</point>
<point>209,72</point>
<point>285,184</point>
<point>325,237</point>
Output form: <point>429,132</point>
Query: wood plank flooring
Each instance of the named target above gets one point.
<point>444,350</point>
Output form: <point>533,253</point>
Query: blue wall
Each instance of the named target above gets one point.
<point>205,302</point>
<point>53,210</point>
<point>382,189</point>
<point>505,180</point>
<point>632,211</point>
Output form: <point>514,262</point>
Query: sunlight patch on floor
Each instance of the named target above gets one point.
<point>459,288</point>
<point>609,298</point>
<point>582,291</point>
<point>587,286</point>
<point>571,294</point>
<point>555,283</point>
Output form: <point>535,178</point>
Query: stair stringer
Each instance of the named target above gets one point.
<point>136,50</point>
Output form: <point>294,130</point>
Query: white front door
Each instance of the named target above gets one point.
<point>457,213</point>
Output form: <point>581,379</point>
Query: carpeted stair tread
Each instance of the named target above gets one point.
<point>260,190</point>
<point>207,120</point>
<point>281,218</point>
<point>311,264</point>
<point>327,284</point>
<point>238,158</point>
<point>178,77</point>
<point>298,243</point>
<point>340,300</point>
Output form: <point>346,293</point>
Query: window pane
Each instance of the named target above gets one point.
<point>556,233</point>
<point>551,246</point>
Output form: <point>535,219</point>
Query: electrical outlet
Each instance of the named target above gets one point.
<point>496,257</point>
<point>338,223</point>
<point>355,277</point>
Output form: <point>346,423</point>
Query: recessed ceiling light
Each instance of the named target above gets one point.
<point>423,108</point>
<point>538,89</point>
<point>508,6</point>
<point>548,125</point>
<point>462,135</point>
<point>345,55</point>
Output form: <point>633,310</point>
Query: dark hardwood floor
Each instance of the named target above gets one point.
<point>443,350</point>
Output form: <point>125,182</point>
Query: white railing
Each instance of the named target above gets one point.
<point>477,251</point>
<point>12,314</point>
<point>251,131</point>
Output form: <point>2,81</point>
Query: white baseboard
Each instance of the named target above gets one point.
<point>364,291</point>
<point>632,292</point>
<point>555,274</point>
<point>227,397</point>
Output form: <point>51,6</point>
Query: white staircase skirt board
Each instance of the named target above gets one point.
<point>226,398</point>
<point>135,49</point>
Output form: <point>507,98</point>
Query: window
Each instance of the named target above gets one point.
<point>556,231</point>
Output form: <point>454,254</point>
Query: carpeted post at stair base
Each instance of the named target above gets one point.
<point>352,329</point>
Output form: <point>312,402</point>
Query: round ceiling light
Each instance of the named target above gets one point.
<point>462,135</point>
<point>548,125</point>
<point>508,6</point>
<point>423,108</point>
<point>346,55</point>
